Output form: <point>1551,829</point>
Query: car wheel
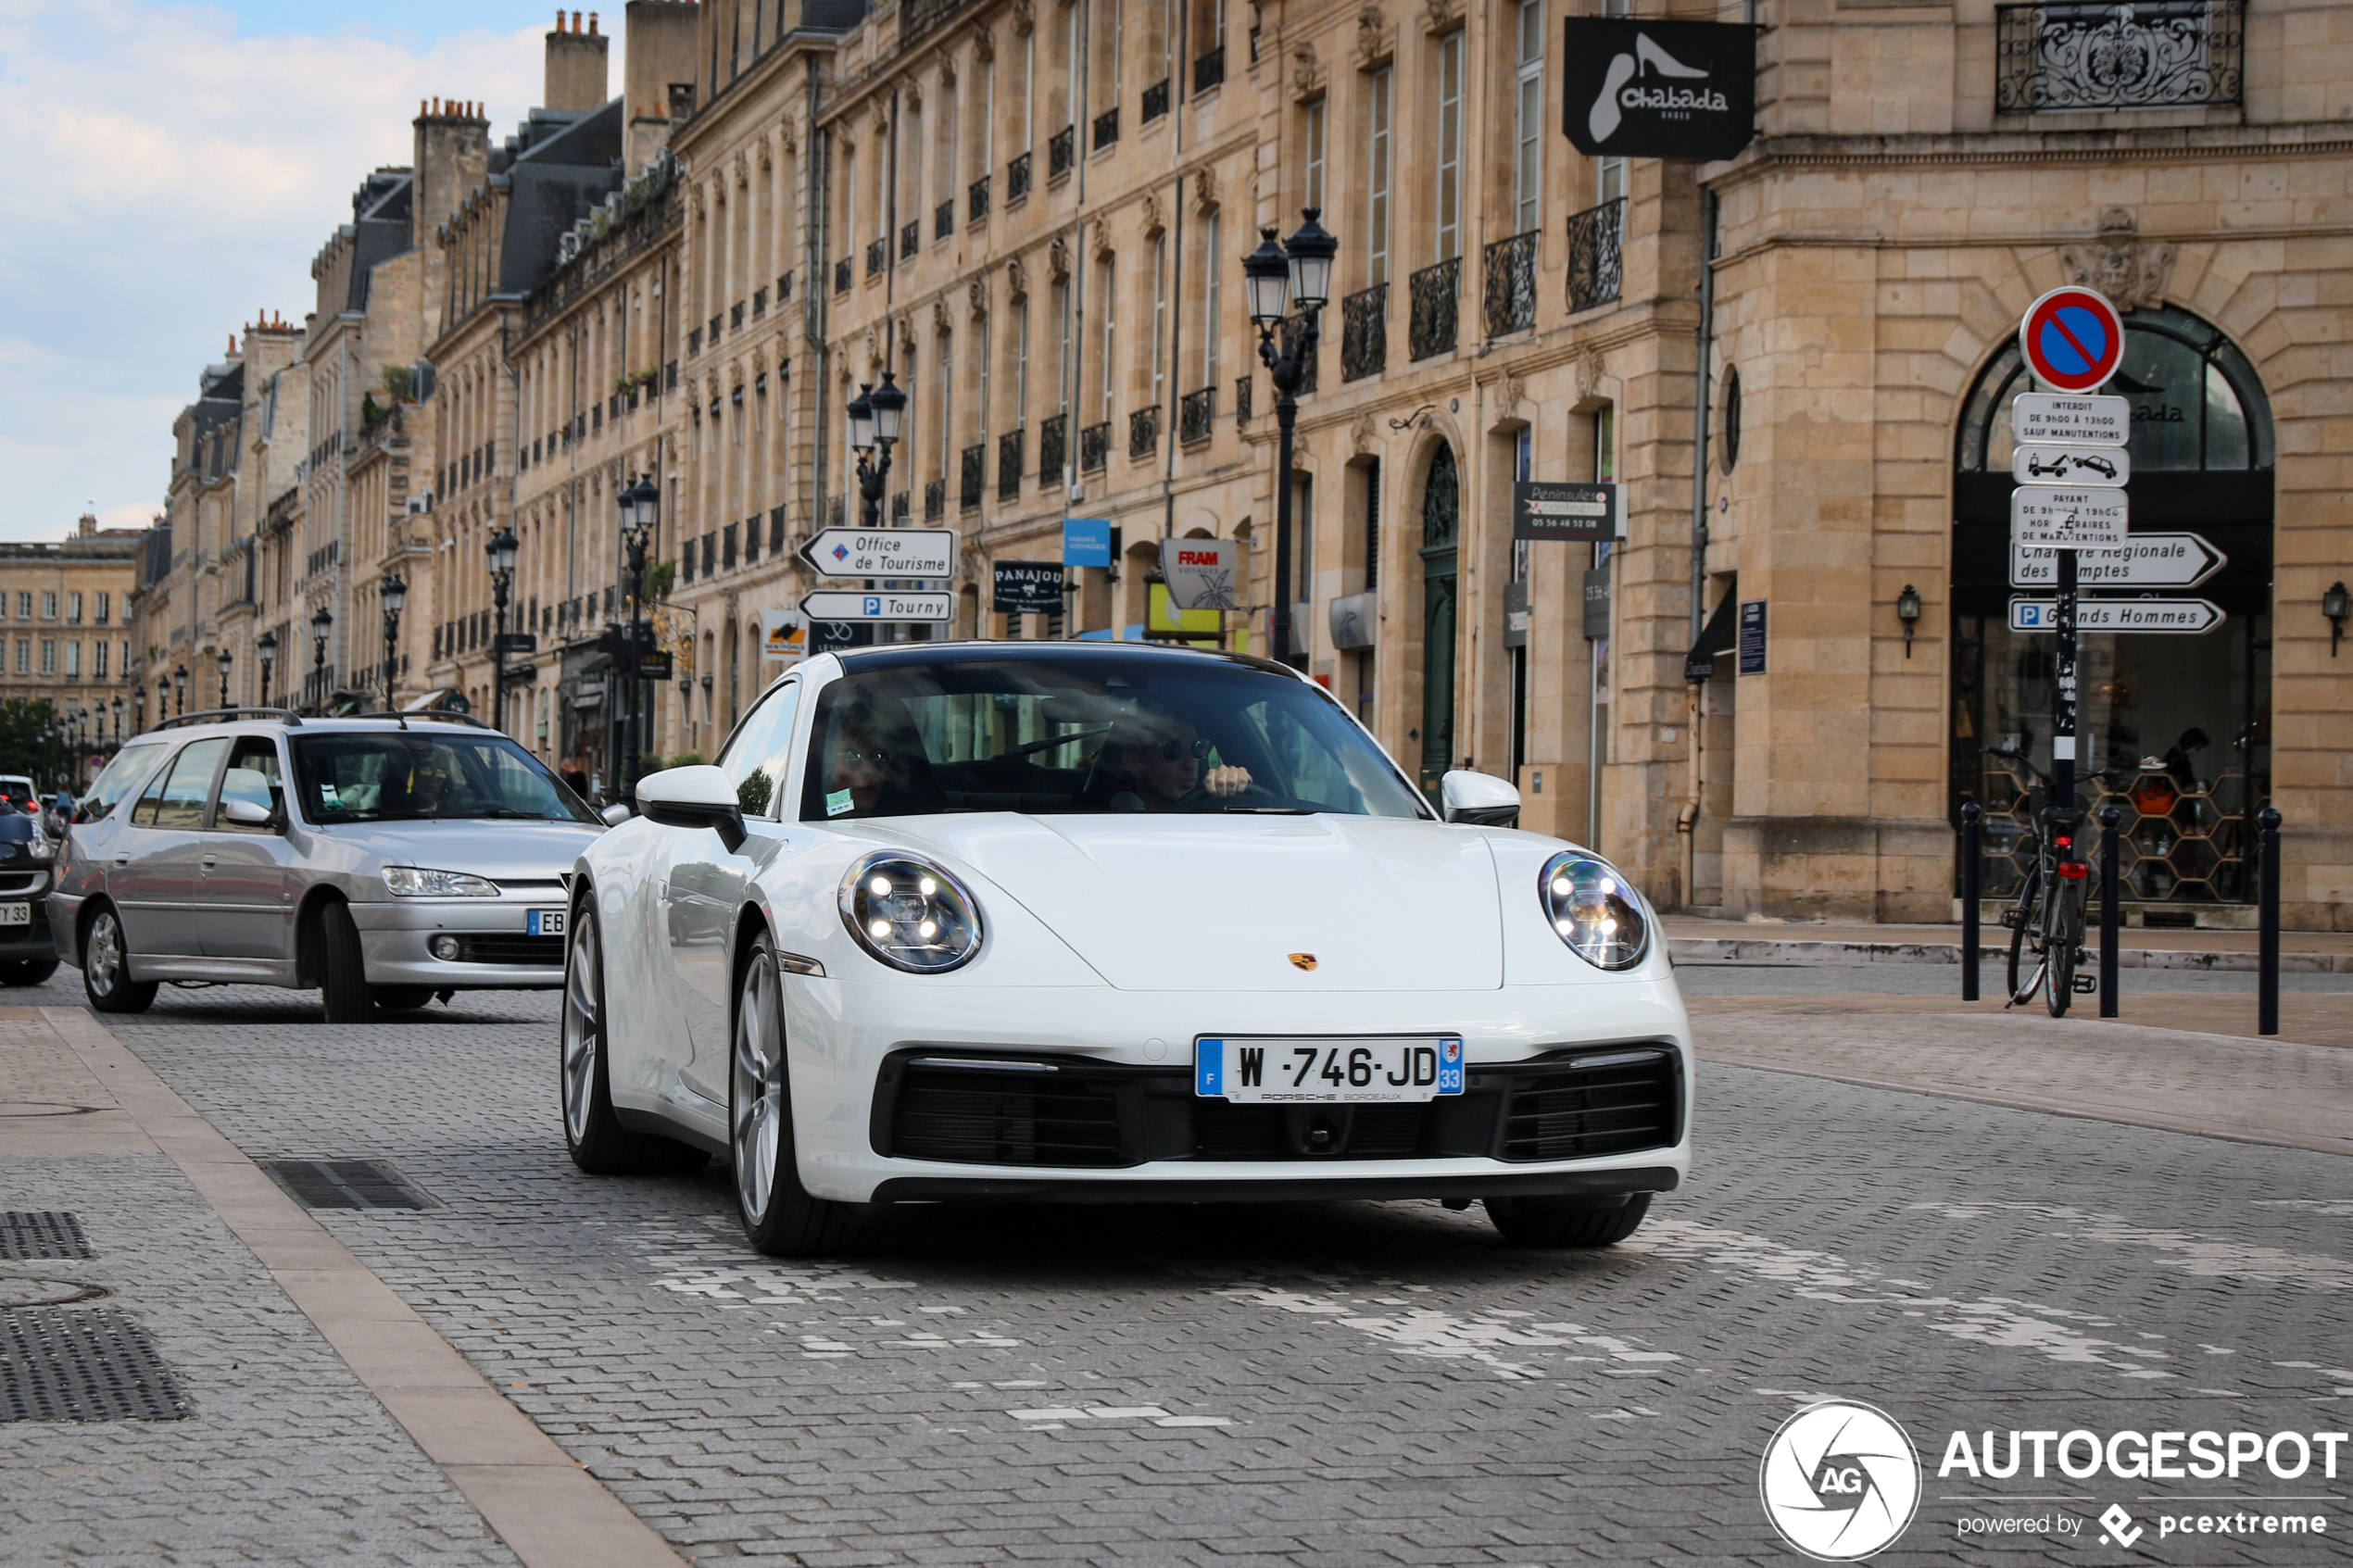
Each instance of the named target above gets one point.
<point>401,998</point>
<point>345,989</point>
<point>598,1142</point>
<point>27,972</point>
<point>779,1216</point>
<point>105,967</point>
<point>1565,1221</point>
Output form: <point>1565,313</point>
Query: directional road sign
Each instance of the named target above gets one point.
<point>2051,517</point>
<point>2118,615</point>
<point>926,553</point>
<point>2042,416</point>
<point>2146,561</point>
<point>2073,462</point>
<point>827,604</point>
<point>2072,338</point>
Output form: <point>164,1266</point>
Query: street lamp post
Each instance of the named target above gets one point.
<point>225,661</point>
<point>500,549</point>
<point>392,592</point>
<point>139,706</point>
<point>1297,271</point>
<point>321,626</point>
<point>640,518</point>
<point>877,417</point>
<point>686,712</point>
<point>117,706</point>
<point>180,691</point>
<point>267,651</point>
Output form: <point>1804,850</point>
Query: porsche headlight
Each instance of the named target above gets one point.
<point>416,882</point>
<point>1595,909</point>
<point>910,914</point>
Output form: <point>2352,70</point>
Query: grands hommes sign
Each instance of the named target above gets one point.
<point>1659,89</point>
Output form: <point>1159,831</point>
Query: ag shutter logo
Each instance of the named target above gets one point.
<point>1659,89</point>
<point>1840,1481</point>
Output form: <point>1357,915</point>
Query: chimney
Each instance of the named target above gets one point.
<point>89,527</point>
<point>575,66</point>
<point>661,59</point>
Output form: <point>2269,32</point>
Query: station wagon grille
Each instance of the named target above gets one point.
<point>505,948</point>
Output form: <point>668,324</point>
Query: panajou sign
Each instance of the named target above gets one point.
<point>1027,588</point>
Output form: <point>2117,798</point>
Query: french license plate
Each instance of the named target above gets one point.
<point>16,914</point>
<point>543,922</point>
<point>1385,1070</point>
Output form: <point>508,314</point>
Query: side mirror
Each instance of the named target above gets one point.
<point>617,813</point>
<point>1479,799</point>
<point>700,797</point>
<point>247,813</point>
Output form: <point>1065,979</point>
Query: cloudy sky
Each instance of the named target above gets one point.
<point>173,170</point>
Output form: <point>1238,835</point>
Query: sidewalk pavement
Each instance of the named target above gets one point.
<point>271,1339</point>
<point>1691,939</point>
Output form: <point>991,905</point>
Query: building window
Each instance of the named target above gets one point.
<point>1021,363</point>
<point>98,660</point>
<point>1381,100</point>
<point>48,607</point>
<point>126,655</point>
<point>73,660</point>
<point>106,609</point>
<point>24,607</point>
<point>24,656</point>
<point>1528,153</point>
<point>48,656</point>
<point>1213,269</point>
<point>1109,309</point>
<point>73,610</point>
<point>1312,141</point>
<point>1160,320</point>
<point>1450,146</point>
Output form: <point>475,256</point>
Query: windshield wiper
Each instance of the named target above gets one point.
<point>1262,811</point>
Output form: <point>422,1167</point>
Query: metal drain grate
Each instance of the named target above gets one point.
<point>46,1232</point>
<point>347,1184</point>
<point>88,1364</point>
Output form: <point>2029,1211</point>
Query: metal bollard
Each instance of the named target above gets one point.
<point>1972,829</point>
<point>2110,916</point>
<point>2267,920</point>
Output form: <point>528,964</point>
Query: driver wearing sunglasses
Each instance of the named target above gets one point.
<point>1155,759</point>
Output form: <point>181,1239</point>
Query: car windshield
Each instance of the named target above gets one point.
<point>1090,731</point>
<point>125,773</point>
<point>411,775</point>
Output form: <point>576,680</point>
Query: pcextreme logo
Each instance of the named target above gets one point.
<point>1840,1481</point>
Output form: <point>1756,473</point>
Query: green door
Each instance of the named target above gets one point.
<point>1441,529</point>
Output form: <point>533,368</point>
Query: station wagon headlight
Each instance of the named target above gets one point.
<point>417,881</point>
<point>910,914</point>
<point>1595,909</point>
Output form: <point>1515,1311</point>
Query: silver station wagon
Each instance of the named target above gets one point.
<point>381,860</point>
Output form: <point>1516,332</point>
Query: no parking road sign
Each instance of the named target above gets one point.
<point>2072,339</point>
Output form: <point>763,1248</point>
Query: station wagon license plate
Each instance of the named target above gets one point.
<point>16,914</point>
<point>1382,1070</point>
<point>543,922</point>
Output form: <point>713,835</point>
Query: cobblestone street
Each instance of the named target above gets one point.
<point>1329,1384</point>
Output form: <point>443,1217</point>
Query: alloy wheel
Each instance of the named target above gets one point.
<point>584,1010</point>
<point>106,953</point>
<point>758,1101</point>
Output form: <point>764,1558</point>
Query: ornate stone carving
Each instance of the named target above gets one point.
<point>1302,68</point>
<point>1373,37</point>
<point>1588,375</point>
<point>1016,280</point>
<point>882,115</point>
<point>1057,260</point>
<point>787,139</point>
<point>1103,243</point>
<point>914,93</point>
<point>1205,190</point>
<point>943,320</point>
<point>1025,18</point>
<point>976,298</point>
<point>984,46</point>
<point>2131,274</point>
<point>743,169</point>
<point>1360,432</point>
<point>947,70</point>
<point>1509,395</point>
<point>1153,222</point>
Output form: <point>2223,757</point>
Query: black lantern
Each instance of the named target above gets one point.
<point>179,690</point>
<point>861,419</point>
<point>1311,250</point>
<point>1907,610</point>
<point>2336,605</point>
<point>224,661</point>
<point>321,626</point>
<point>266,650</point>
<point>1266,279</point>
<point>890,412</point>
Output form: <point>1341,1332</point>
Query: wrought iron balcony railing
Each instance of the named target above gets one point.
<point>1107,128</point>
<point>1008,447</point>
<point>970,464</point>
<point>1017,180</point>
<point>783,286</point>
<point>713,337</point>
<point>1196,413</point>
<point>1094,448</point>
<point>2089,55</point>
<point>877,256</point>
<point>842,270</point>
<point>1209,70</point>
<point>1510,285</point>
<point>935,499</point>
<point>1241,398</point>
<point>976,200</point>
<point>1596,267</point>
<point>1053,447</point>
<point>1155,101</point>
<point>943,220</point>
<point>911,237</point>
<point>1364,334</point>
<point>1062,151</point>
<point>1143,432</point>
<point>1436,318</point>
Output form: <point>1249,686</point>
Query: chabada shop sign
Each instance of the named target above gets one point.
<point>1659,89</point>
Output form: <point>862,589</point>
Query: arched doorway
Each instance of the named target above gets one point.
<point>2174,729</point>
<point>1442,539</point>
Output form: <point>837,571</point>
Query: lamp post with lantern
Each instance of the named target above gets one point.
<point>640,520</point>
<point>877,418</point>
<point>266,650</point>
<point>322,626</point>
<point>500,549</point>
<point>179,691</point>
<point>392,592</point>
<point>1279,276</point>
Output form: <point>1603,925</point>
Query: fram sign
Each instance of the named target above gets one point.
<point>1202,573</point>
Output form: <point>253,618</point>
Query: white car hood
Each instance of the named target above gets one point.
<point>1220,902</point>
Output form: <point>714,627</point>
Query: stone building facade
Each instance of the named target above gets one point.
<point>67,629</point>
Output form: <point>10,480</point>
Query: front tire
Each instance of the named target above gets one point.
<point>27,972</point>
<point>779,1216</point>
<point>1565,1221</point>
<point>403,998</point>
<point>598,1142</point>
<point>345,987</point>
<point>106,968</point>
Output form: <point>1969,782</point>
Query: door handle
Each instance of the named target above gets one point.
<point>210,861</point>
<point>123,860</point>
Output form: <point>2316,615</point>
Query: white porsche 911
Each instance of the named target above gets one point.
<point>1099,922</point>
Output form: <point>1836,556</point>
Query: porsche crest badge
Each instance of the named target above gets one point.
<point>1303,960</point>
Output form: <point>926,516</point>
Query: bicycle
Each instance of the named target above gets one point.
<point>2046,922</point>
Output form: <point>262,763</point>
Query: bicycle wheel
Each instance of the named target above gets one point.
<point>2063,932</point>
<point>2025,977</point>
